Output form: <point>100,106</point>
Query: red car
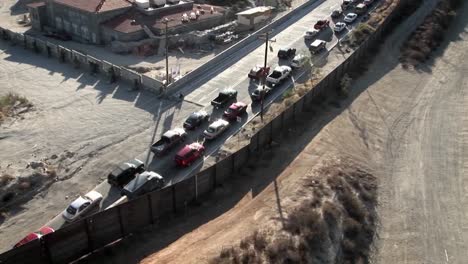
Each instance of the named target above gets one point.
<point>36,235</point>
<point>187,155</point>
<point>258,72</point>
<point>322,24</point>
<point>235,110</point>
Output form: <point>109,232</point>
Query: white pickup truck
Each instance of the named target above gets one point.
<point>280,74</point>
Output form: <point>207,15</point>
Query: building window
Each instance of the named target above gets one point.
<point>66,26</point>
<point>85,32</point>
<point>75,29</point>
<point>58,22</point>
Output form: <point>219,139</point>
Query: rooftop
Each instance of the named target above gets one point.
<point>256,10</point>
<point>133,20</point>
<point>36,4</point>
<point>96,6</point>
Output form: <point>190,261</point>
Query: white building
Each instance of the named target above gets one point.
<point>254,16</point>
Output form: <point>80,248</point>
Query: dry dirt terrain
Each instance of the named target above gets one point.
<point>409,127</point>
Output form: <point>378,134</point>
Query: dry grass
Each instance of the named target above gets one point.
<point>429,35</point>
<point>10,102</point>
<point>5,179</point>
<point>319,224</point>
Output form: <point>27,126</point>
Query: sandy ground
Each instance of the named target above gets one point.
<point>74,113</point>
<point>408,125</point>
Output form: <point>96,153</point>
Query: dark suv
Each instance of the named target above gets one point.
<point>286,53</point>
<point>125,172</point>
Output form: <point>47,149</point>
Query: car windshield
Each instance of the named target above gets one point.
<point>191,119</point>
<point>71,210</point>
<point>229,111</point>
<point>211,130</point>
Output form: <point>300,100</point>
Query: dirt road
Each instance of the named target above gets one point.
<point>424,211</point>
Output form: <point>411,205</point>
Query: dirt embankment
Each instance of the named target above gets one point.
<point>430,34</point>
<point>334,223</point>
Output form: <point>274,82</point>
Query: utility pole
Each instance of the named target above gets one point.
<point>165,21</point>
<point>265,36</point>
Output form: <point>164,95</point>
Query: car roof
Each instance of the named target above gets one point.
<point>141,179</point>
<point>174,132</point>
<point>219,122</point>
<point>281,67</point>
<point>317,42</point>
<point>93,195</point>
<point>45,230</point>
<point>185,150</point>
<point>237,105</point>
<point>79,202</point>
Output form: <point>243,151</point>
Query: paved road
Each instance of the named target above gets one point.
<point>199,95</point>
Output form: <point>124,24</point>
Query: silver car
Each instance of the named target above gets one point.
<point>216,128</point>
<point>81,205</point>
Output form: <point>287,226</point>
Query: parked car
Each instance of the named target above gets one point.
<point>188,154</point>
<point>216,128</point>
<point>347,4</point>
<point>310,34</point>
<point>224,98</point>
<point>350,17</point>
<point>196,119</point>
<point>258,72</point>
<point>125,172</point>
<point>322,24</point>
<point>339,26</point>
<point>144,182</point>
<point>286,53</point>
<point>360,9</point>
<point>81,205</point>
<point>280,74</point>
<point>336,14</point>
<point>317,46</point>
<point>235,110</point>
<point>298,61</point>
<point>35,235</point>
<point>257,93</point>
<point>168,141</point>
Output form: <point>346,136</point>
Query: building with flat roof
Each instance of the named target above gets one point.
<point>254,16</point>
<point>104,21</point>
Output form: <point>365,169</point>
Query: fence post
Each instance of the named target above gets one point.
<point>89,229</point>
<point>150,211</point>
<point>174,206</point>
<point>45,252</point>
<point>119,213</point>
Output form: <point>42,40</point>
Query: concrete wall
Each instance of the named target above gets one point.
<point>82,61</point>
<point>93,232</point>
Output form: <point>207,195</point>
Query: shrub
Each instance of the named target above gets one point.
<point>5,179</point>
<point>352,205</point>
<point>259,241</point>
<point>10,101</point>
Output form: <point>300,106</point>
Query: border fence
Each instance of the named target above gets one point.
<point>94,232</point>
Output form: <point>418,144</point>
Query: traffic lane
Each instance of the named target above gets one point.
<point>255,44</point>
<point>176,174</point>
<point>283,39</point>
